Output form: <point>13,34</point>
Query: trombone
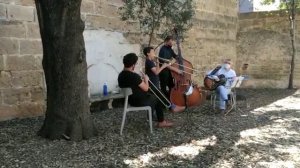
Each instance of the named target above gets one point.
<point>166,60</point>
<point>168,104</point>
<point>170,62</point>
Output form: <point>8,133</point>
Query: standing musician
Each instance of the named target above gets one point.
<point>140,87</point>
<point>153,69</point>
<point>165,77</point>
<point>224,76</point>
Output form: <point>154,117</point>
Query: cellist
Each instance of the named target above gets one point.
<point>165,76</point>
<point>152,69</point>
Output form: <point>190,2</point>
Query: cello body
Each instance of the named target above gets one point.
<point>183,83</point>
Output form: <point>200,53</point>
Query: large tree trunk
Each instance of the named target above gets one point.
<point>65,68</point>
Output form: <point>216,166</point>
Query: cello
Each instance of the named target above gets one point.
<point>184,93</point>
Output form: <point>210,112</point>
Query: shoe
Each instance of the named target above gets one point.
<point>217,111</point>
<point>221,111</point>
<point>165,124</point>
<point>177,109</point>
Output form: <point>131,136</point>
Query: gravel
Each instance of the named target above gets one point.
<point>266,134</point>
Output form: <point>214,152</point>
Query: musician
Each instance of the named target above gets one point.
<point>165,77</point>
<point>226,74</point>
<point>139,86</point>
<point>152,69</point>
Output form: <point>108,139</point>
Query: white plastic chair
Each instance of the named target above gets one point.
<point>127,92</point>
<point>232,92</point>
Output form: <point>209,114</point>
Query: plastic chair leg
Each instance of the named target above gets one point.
<point>150,120</point>
<point>123,122</point>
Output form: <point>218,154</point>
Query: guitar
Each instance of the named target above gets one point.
<point>210,83</point>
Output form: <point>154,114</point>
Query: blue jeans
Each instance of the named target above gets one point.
<point>222,92</point>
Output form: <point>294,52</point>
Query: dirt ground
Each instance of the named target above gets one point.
<point>266,134</point>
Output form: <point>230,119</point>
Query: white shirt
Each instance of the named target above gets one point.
<point>229,75</point>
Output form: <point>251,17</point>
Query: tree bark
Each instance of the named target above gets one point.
<point>292,15</point>
<point>64,63</point>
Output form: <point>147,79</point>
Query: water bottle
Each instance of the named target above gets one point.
<point>105,90</point>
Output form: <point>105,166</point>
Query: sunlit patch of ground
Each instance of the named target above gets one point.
<point>276,145</point>
<point>186,151</point>
<point>289,103</point>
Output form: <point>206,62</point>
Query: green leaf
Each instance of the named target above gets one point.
<point>159,16</point>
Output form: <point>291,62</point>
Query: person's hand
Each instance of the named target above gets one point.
<point>164,65</point>
<point>146,78</point>
<point>180,72</point>
<point>216,78</point>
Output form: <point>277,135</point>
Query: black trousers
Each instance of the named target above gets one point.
<point>151,101</point>
<point>166,81</point>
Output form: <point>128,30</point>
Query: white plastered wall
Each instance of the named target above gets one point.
<point>104,53</point>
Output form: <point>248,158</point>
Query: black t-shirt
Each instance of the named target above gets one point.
<point>166,52</point>
<point>152,76</point>
<point>127,79</point>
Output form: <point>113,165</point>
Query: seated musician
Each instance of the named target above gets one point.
<point>140,87</point>
<point>224,75</point>
<point>152,69</point>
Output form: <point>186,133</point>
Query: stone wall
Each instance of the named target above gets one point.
<point>21,81</point>
<point>212,38</point>
<point>264,43</point>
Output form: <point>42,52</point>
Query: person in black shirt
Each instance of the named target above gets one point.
<point>140,97</point>
<point>165,77</point>
<point>152,69</point>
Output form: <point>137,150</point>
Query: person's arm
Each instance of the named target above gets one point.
<point>144,85</point>
<point>177,70</point>
<point>232,76</point>
<point>156,70</point>
<point>215,74</point>
<point>174,55</point>
<point>208,73</point>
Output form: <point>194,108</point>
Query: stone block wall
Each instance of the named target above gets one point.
<point>22,86</point>
<point>264,43</point>
<point>22,91</point>
<point>213,35</point>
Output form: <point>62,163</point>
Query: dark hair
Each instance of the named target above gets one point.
<point>168,38</point>
<point>147,50</point>
<point>130,59</point>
